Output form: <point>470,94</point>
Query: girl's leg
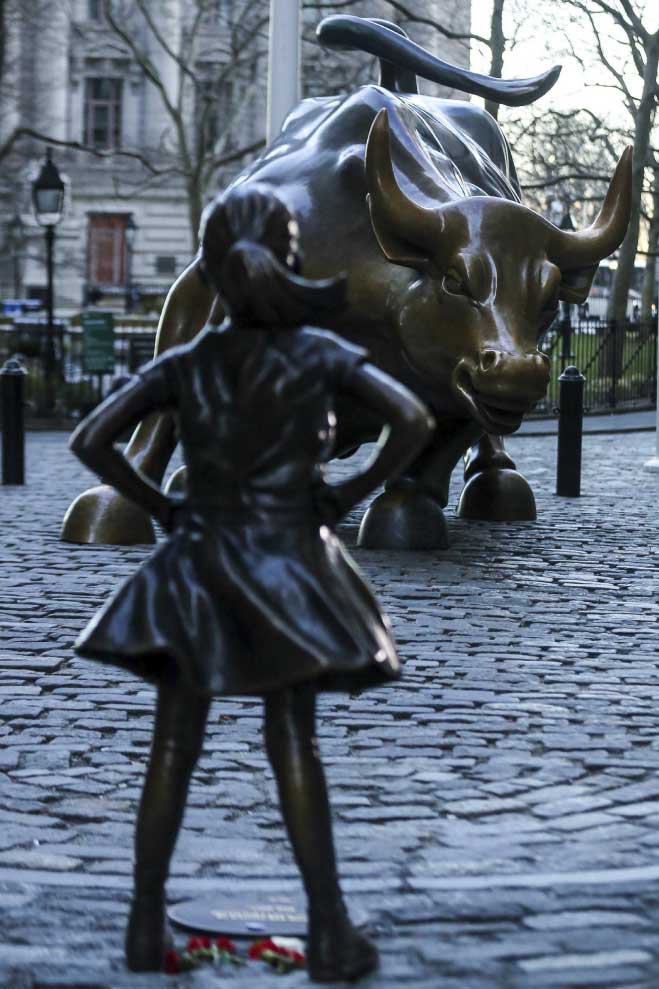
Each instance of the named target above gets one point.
<point>336,950</point>
<point>178,735</point>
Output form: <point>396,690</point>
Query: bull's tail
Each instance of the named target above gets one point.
<point>401,60</point>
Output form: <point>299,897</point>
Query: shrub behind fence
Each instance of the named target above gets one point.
<point>619,361</point>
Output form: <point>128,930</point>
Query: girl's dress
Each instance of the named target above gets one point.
<point>251,592</point>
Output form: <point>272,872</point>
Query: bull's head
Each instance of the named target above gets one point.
<point>489,275</point>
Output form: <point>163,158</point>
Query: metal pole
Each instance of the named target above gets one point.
<point>570,429</point>
<point>129,279</point>
<point>12,381</point>
<point>653,463</point>
<point>566,334</point>
<point>49,356</point>
<point>17,273</point>
<point>283,63</point>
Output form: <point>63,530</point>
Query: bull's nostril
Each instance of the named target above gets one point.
<point>488,359</point>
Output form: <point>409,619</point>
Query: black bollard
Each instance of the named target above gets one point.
<point>12,383</point>
<point>570,429</point>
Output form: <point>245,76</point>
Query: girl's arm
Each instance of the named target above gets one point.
<point>93,441</point>
<point>409,428</point>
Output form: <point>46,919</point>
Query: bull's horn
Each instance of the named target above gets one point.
<point>578,248</point>
<point>400,224</point>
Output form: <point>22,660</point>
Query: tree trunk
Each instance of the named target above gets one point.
<point>617,309</point>
<point>650,274</point>
<point>497,47</point>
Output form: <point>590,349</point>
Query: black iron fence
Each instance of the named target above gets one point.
<point>77,391</point>
<point>619,361</point>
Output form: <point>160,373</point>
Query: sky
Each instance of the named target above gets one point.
<point>538,48</point>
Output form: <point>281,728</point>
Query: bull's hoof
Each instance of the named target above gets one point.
<point>403,519</point>
<point>178,482</point>
<point>497,496</point>
<point>104,517</point>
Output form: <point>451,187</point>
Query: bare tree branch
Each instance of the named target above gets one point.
<point>29,132</point>
<point>408,15</point>
<point>175,56</point>
<point>140,57</point>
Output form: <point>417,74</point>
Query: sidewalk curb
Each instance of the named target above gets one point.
<point>587,432</point>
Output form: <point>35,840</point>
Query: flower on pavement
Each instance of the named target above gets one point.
<point>283,954</point>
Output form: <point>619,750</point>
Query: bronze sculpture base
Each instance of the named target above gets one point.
<point>400,519</point>
<point>497,495</point>
<point>102,516</point>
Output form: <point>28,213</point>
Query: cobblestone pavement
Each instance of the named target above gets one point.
<point>496,811</point>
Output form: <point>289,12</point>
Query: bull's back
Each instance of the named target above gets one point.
<point>316,165</point>
<point>317,162</point>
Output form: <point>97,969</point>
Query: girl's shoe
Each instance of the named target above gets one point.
<point>337,951</point>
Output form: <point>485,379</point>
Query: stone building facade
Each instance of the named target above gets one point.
<point>70,76</point>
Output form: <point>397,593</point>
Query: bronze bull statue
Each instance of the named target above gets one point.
<point>451,280</point>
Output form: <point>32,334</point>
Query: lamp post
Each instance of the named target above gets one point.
<point>48,202</point>
<point>16,242</point>
<point>130,230</point>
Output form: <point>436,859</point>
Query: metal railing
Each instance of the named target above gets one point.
<point>619,361</point>
<point>77,391</point>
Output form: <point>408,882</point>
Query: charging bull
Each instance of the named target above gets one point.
<point>451,280</point>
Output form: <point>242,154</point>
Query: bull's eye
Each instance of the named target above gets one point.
<point>453,283</point>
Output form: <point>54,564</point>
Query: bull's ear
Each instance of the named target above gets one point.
<point>576,284</point>
<point>395,248</point>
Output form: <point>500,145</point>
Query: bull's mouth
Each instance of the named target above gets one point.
<point>495,415</point>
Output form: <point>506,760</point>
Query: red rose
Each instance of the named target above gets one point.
<point>289,954</point>
<point>172,964</point>
<point>198,943</point>
<point>259,947</point>
<point>224,944</point>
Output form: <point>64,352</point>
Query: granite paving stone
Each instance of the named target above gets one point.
<point>497,809</point>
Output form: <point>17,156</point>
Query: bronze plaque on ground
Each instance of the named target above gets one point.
<point>238,915</point>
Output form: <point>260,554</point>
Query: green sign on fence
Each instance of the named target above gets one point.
<point>98,342</point>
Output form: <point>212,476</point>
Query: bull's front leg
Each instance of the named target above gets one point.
<point>408,514</point>
<point>101,515</point>
<point>494,490</point>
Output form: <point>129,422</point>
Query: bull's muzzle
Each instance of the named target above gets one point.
<point>500,387</point>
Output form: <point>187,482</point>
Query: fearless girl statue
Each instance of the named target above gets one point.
<point>252,593</point>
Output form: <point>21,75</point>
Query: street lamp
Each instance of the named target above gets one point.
<point>16,243</point>
<point>130,230</point>
<point>48,202</point>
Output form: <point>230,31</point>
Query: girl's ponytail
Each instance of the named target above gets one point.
<point>240,233</point>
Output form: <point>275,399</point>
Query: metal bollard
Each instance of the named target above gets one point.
<point>570,429</point>
<point>12,384</point>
